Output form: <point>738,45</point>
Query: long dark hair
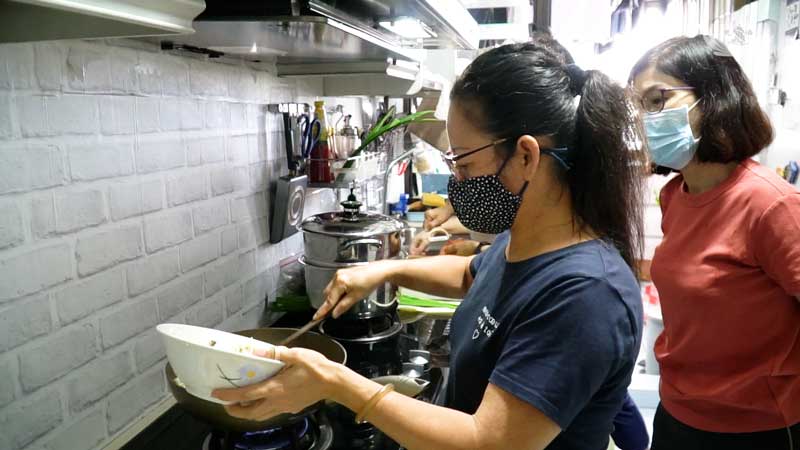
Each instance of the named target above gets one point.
<point>733,126</point>
<point>530,89</point>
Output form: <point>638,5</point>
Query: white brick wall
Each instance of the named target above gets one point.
<point>91,162</point>
<point>30,418</point>
<point>36,269</point>
<point>97,379</point>
<point>153,271</point>
<point>81,299</point>
<point>30,166</point>
<point>11,229</point>
<point>167,229</point>
<point>104,249</point>
<point>24,321</point>
<point>7,372</point>
<point>188,187</point>
<point>133,190</point>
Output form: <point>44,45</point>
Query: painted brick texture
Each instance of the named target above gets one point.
<point>133,191</point>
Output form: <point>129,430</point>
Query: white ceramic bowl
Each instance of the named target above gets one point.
<point>206,359</point>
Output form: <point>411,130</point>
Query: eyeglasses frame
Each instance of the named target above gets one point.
<point>663,99</point>
<point>560,154</point>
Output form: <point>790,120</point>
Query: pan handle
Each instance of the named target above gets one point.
<point>409,386</point>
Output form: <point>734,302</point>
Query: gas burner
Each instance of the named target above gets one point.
<point>349,435</point>
<point>363,331</point>
<point>307,434</point>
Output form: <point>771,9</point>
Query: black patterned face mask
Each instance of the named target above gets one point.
<point>483,204</point>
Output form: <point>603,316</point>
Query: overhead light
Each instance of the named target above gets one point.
<point>408,27</point>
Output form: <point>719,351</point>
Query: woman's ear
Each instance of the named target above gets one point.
<point>528,149</point>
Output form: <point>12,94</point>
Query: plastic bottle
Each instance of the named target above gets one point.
<point>321,155</point>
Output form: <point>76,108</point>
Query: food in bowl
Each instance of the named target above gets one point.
<point>205,359</point>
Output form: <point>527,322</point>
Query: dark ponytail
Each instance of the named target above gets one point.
<point>531,89</point>
<point>606,180</point>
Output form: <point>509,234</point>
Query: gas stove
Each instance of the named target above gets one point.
<point>373,350</point>
<point>312,433</point>
<point>375,347</point>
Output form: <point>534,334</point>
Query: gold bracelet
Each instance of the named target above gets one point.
<point>385,390</point>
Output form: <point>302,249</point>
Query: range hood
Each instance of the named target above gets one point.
<point>43,20</point>
<point>335,39</point>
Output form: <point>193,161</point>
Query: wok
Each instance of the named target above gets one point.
<point>215,414</point>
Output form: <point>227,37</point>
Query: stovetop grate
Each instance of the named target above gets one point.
<point>311,433</point>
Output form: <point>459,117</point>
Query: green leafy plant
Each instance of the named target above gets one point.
<point>388,123</point>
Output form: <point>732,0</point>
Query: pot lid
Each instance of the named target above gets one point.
<point>351,222</point>
<point>343,223</point>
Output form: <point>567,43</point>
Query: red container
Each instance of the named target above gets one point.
<point>319,170</point>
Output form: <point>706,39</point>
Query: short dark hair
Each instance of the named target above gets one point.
<point>734,127</point>
<point>530,89</point>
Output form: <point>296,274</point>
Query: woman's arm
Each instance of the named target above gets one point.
<point>447,276</point>
<point>454,226</point>
<point>502,421</point>
<point>774,245</point>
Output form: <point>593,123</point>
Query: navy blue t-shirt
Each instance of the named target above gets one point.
<point>560,331</point>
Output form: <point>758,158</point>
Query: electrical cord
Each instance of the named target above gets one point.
<point>786,421</point>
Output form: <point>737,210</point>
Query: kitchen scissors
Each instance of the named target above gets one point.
<point>310,130</point>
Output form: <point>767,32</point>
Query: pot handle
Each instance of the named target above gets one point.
<point>369,241</point>
<point>384,305</point>
<point>409,386</point>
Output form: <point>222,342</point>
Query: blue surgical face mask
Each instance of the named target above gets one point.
<point>670,137</point>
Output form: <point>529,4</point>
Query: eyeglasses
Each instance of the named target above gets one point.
<point>560,154</point>
<point>654,100</point>
<point>451,159</point>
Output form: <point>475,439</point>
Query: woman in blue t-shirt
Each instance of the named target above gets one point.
<point>546,338</point>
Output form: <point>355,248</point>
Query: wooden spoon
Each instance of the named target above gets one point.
<point>300,332</point>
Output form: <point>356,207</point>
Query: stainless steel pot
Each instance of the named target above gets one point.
<point>378,303</point>
<point>350,236</point>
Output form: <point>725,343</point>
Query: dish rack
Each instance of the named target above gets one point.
<point>359,168</point>
<point>351,171</point>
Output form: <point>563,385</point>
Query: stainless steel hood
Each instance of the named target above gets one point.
<point>41,20</point>
<point>294,40</point>
<point>450,25</point>
<point>333,38</point>
<point>298,31</point>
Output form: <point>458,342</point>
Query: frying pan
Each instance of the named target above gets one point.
<point>215,414</point>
